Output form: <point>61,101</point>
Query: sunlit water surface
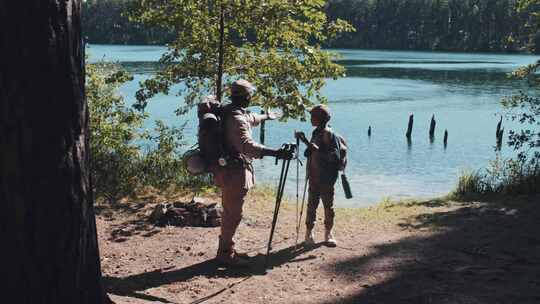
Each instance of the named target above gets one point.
<point>380,90</point>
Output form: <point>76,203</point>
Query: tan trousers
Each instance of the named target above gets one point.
<point>233,196</point>
<point>318,192</point>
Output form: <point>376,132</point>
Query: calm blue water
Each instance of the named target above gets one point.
<point>381,89</point>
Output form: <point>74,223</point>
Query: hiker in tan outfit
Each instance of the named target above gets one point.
<point>238,176</point>
<point>323,158</point>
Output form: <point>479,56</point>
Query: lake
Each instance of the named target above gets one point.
<point>381,89</point>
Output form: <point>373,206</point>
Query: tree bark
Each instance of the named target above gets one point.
<point>221,51</point>
<point>49,241</point>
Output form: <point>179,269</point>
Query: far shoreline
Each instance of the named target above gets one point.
<point>524,52</point>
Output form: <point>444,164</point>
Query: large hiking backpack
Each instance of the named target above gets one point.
<point>211,132</point>
<point>210,146</point>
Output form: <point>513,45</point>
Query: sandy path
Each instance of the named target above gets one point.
<point>428,252</point>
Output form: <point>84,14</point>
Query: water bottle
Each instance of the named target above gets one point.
<point>346,186</point>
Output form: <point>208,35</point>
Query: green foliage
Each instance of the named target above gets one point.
<point>121,165</point>
<point>529,6</point>
<point>469,184</point>
<point>161,167</point>
<point>275,44</point>
<point>104,21</point>
<point>530,9</point>
<point>460,25</point>
<point>521,174</point>
<point>525,107</point>
<point>113,132</point>
<point>526,110</point>
<point>508,177</point>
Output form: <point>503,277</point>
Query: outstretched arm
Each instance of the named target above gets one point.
<point>256,119</point>
<point>239,132</point>
<point>302,137</point>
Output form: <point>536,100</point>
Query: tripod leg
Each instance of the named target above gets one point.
<point>279,198</point>
<point>276,210</point>
<point>288,162</point>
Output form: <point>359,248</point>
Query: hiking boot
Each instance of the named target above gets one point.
<point>227,256</point>
<point>310,238</point>
<point>232,259</point>
<point>329,239</point>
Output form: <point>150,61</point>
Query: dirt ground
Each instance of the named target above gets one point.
<point>433,251</point>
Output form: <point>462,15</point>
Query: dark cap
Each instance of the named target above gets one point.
<point>321,111</point>
<point>242,87</point>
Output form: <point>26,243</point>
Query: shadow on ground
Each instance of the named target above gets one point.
<point>131,218</point>
<point>131,225</point>
<point>484,252</point>
<point>132,286</point>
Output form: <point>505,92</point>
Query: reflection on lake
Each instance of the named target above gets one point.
<point>380,90</point>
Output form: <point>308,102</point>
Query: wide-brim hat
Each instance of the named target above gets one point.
<point>242,87</point>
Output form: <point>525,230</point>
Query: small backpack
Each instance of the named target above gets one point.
<point>341,144</point>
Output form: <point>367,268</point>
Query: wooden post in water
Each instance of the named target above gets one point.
<point>498,128</point>
<point>499,134</point>
<point>369,131</point>
<point>445,140</point>
<point>432,128</point>
<point>262,134</point>
<point>410,126</point>
<point>500,138</point>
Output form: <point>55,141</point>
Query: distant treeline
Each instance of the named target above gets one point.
<point>455,25</point>
<point>105,22</point>
<point>452,25</point>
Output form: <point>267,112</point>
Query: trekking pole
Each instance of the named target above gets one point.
<point>299,222</point>
<point>276,211</point>
<point>279,196</point>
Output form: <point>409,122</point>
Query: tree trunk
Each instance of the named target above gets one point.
<point>221,51</point>
<point>49,242</point>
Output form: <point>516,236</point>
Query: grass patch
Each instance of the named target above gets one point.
<point>471,184</point>
<point>508,177</point>
<point>387,213</point>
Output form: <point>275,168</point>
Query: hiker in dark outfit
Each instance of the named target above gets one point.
<point>323,165</point>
